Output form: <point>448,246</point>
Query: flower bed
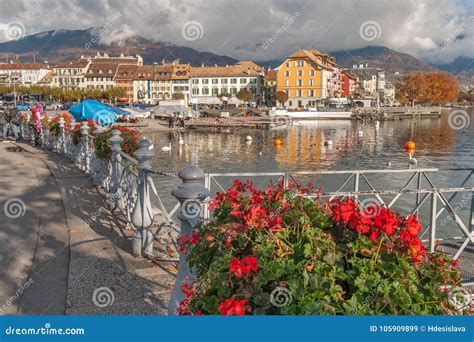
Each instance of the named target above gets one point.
<point>129,145</point>
<point>54,123</point>
<point>77,134</point>
<point>278,252</point>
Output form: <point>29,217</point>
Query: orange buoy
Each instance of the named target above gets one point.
<point>410,146</point>
<point>277,142</point>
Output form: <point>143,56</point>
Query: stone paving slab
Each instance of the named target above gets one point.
<point>99,252</point>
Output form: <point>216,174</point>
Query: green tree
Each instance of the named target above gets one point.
<point>178,96</point>
<point>114,93</point>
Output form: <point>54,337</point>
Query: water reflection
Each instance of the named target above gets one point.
<point>354,146</point>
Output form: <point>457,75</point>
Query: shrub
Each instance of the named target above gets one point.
<point>54,123</point>
<point>129,144</point>
<point>279,252</point>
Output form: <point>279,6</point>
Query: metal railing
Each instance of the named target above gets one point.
<point>357,184</point>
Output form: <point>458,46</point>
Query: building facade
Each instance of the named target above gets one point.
<point>270,88</point>
<point>24,74</point>
<point>207,83</point>
<point>305,76</point>
<point>152,83</point>
<point>71,76</point>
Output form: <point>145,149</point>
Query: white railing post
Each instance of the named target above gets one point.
<point>62,136</point>
<point>115,171</point>
<point>84,151</point>
<point>191,193</point>
<point>433,214</point>
<point>97,164</point>
<point>142,215</point>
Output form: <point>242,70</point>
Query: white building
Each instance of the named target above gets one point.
<point>71,76</point>
<point>209,82</point>
<point>24,74</point>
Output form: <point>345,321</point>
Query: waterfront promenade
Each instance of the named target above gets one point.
<point>53,255</point>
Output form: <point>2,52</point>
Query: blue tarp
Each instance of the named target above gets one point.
<point>97,111</point>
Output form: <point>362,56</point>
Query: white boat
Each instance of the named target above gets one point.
<point>311,113</point>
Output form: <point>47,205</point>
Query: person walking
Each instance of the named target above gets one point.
<point>12,118</point>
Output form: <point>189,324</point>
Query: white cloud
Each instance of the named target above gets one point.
<point>239,28</point>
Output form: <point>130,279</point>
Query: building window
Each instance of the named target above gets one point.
<point>224,80</point>
<point>287,73</point>
<point>205,91</point>
<point>233,81</point>
<point>299,73</point>
<point>243,81</point>
<point>287,65</point>
<point>299,83</point>
<point>311,82</point>
<point>253,80</point>
<point>311,73</point>
<point>205,81</point>
<point>299,93</point>
<point>215,91</point>
<point>311,93</point>
<point>287,83</point>
<point>215,81</point>
<point>233,91</point>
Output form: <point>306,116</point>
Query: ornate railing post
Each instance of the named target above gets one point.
<point>142,216</point>
<point>62,136</point>
<point>115,170</point>
<point>84,152</point>
<point>191,193</point>
<point>97,164</point>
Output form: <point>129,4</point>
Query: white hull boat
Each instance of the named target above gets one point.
<point>310,114</point>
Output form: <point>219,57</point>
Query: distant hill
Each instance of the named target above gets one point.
<point>462,68</point>
<point>381,57</point>
<point>64,45</point>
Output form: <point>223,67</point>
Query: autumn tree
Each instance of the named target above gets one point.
<point>281,97</point>
<point>114,93</point>
<point>427,88</point>
<point>245,95</point>
<point>177,96</point>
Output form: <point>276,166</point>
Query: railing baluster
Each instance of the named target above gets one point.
<point>434,200</point>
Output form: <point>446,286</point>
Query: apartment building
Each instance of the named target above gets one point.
<point>305,76</point>
<point>207,83</point>
<point>152,83</point>
<point>24,74</point>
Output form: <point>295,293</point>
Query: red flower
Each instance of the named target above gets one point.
<point>343,211</point>
<point>187,290</point>
<point>236,268</point>
<point>234,307</point>
<point>248,264</point>
<point>185,240</point>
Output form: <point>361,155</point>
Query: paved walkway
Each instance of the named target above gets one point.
<point>54,256</point>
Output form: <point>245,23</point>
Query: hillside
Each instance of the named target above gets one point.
<point>65,45</point>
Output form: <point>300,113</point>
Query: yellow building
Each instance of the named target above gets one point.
<point>301,77</point>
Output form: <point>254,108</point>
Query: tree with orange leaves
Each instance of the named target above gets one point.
<point>427,88</point>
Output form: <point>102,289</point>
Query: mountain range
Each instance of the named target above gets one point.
<point>65,45</point>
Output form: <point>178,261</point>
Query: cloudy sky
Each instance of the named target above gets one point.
<point>437,30</point>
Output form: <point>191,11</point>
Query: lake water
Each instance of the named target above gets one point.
<point>438,145</point>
